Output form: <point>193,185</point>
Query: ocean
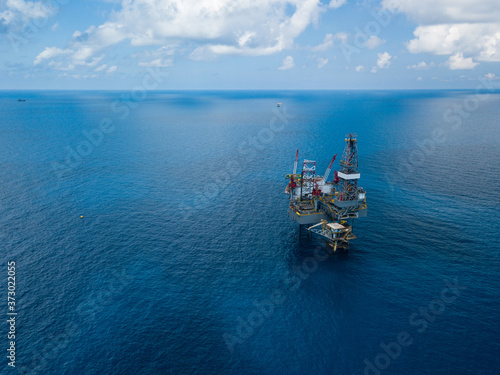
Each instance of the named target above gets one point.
<point>150,234</point>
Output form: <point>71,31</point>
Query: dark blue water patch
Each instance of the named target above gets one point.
<point>162,266</point>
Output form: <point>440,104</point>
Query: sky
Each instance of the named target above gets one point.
<point>249,44</point>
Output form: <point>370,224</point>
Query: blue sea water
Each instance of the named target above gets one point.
<point>185,237</point>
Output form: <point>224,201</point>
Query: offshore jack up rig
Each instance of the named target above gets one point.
<point>330,206</point>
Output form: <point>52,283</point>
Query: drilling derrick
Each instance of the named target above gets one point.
<point>348,173</point>
<point>331,206</point>
<point>308,178</point>
<point>349,201</point>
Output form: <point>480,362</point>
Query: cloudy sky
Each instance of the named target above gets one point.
<point>249,44</point>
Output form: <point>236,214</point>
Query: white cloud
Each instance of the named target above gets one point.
<point>373,42</point>
<point>157,63</point>
<point>453,27</point>
<point>446,11</point>
<point>18,13</point>
<point>246,27</point>
<point>202,53</point>
<point>288,63</point>
<point>101,68</point>
<point>330,40</point>
<point>163,53</point>
<point>336,3</point>
<point>78,76</point>
<point>479,41</point>
<point>374,69</point>
<point>112,69</point>
<point>322,62</point>
<point>490,76</point>
<point>419,78</point>
<point>93,62</point>
<point>421,66</point>
<point>359,68</point>
<point>245,39</point>
<point>457,62</point>
<point>55,26</point>
<point>383,60</point>
<point>49,53</point>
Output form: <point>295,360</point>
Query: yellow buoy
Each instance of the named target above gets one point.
<point>81,217</point>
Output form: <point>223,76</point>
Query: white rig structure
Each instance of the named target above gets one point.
<point>332,205</point>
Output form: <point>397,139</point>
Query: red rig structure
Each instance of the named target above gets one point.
<point>330,206</point>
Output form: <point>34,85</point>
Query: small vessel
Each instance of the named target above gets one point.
<point>278,104</point>
<point>21,100</point>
